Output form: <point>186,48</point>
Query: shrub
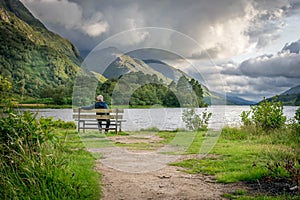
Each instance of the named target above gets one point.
<point>266,116</point>
<point>50,122</point>
<point>297,116</point>
<point>194,121</point>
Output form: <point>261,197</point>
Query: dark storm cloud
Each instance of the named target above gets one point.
<point>265,75</point>
<point>282,64</point>
<point>221,28</point>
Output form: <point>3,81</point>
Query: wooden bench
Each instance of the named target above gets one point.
<point>87,119</point>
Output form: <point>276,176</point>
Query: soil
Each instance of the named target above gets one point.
<point>129,175</point>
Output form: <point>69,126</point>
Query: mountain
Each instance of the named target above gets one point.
<point>227,99</point>
<point>147,61</point>
<point>125,64</point>
<point>167,70</point>
<point>31,56</point>
<point>291,97</point>
<point>235,100</point>
<point>293,90</point>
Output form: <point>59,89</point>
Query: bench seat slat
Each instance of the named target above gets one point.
<point>98,116</point>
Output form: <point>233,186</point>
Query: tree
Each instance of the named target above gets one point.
<point>194,121</point>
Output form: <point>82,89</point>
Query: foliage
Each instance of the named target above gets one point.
<point>288,169</point>
<point>50,122</point>
<point>35,164</point>
<point>194,121</point>
<point>294,124</point>
<point>5,90</point>
<point>22,134</point>
<point>60,95</point>
<point>266,116</point>
<point>297,116</point>
<point>5,86</point>
<point>54,173</point>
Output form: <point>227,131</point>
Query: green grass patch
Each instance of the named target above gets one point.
<point>238,156</point>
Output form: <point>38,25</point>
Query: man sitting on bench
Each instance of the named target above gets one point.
<point>100,104</point>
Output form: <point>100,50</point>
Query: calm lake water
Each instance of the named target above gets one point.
<point>168,118</point>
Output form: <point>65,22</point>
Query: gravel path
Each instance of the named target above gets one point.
<point>131,175</point>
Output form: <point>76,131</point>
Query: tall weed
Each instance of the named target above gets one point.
<point>34,163</point>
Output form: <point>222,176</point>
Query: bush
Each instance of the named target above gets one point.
<point>266,116</point>
<point>194,121</point>
<point>49,122</point>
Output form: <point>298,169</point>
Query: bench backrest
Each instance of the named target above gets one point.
<point>114,114</point>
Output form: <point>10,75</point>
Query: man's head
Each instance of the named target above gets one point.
<point>100,98</point>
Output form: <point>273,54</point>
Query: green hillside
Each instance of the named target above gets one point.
<point>32,57</point>
<point>290,97</point>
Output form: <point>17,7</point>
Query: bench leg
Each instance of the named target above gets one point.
<point>83,126</point>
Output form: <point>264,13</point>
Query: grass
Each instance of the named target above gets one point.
<point>241,156</point>
<point>59,171</point>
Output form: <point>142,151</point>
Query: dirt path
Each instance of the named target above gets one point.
<point>127,180</point>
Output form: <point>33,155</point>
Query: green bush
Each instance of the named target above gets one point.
<point>5,94</point>
<point>50,122</point>
<point>265,116</point>
<point>194,121</point>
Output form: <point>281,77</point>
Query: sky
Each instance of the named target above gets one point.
<point>249,48</point>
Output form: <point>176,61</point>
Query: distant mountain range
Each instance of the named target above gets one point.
<point>34,58</point>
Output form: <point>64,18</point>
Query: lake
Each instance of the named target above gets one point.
<point>168,118</point>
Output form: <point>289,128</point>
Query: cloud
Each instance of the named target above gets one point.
<point>68,15</point>
<point>293,47</point>
<point>221,28</point>
<point>284,64</point>
<point>265,75</point>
